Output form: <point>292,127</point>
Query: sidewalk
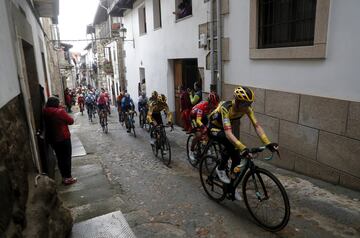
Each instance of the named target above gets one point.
<point>95,204</point>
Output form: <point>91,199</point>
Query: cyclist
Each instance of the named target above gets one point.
<point>199,119</point>
<point>118,104</point>
<point>127,104</point>
<point>220,128</point>
<point>102,100</point>
<point>154,114</point>
<point>90,103</point>
<point>81,102</point>
<point>142,102</point>
<point>154,97</point>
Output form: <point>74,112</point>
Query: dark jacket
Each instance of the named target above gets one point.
<point>56,123</point>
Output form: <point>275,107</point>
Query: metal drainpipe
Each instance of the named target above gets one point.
<point>212,55</point>
<point>219,48</point>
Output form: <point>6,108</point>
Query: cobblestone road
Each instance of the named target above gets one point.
<point>160,201</point>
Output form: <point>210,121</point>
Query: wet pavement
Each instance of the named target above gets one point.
<point>120,173</point>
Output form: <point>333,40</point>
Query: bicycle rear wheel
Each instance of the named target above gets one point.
<point>266,199</point>
<point>141,120</point>
<point>213,187</point>
<point>165,151</point>
<point>133,128</point>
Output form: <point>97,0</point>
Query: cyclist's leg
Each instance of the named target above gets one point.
<point>220,137</point>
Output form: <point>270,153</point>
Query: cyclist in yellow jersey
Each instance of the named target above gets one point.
<point>154,113</point>
<point>220,127</point>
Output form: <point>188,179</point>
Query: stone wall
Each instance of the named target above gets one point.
<point>26,209</point>
<point>318,137</point>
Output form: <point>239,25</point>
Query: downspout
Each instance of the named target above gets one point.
<point>219,49</point>
<point>212,55</point>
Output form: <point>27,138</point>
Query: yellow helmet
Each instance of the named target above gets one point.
<point>161,99</point>
<point>244,94</point>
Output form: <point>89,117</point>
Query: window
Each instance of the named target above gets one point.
<point>142,20</point>
<point>183,8</point>
<point>288,29</point>
<point>286,23</point>
<point>157,13</point>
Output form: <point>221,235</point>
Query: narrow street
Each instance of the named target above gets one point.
<point>120,172</point>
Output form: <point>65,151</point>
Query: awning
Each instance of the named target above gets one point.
<point>101,15</point>
<point>118,7</point>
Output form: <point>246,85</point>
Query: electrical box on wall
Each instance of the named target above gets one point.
<point>202,40</point>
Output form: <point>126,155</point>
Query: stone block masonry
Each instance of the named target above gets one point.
<point>318,137</point>
<point>26,210</point>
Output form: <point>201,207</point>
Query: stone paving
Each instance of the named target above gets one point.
<point>120,172</point>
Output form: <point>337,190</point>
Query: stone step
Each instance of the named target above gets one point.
<point>111,225</point>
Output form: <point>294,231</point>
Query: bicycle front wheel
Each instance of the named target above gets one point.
<point>141,120</point>
<point>213,187</point>
<point>266,199</point>
<point>165,151</point>
<point>194,163</point>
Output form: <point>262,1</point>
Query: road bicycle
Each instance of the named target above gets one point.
<point>130,122</point>
<point>264,195</point>
<point>161,143</point>
<point>81,106</point>
<point>90,111</point>
<point>204,146</point>
<point>142,119</point>
<point>103,120</point>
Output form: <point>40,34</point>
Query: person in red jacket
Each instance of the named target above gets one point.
<point>58,135</point>
<point>185,108</point>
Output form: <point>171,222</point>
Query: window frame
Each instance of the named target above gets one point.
<point>177,2</point>
<point>159,15</point>
<point>315,51</point>
<point>142,8</point>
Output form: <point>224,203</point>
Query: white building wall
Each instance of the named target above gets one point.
<point>337,76</point>
<point>8,64</point>
<point>174,40</point>
<point>38,36</point>
<point>8,78</point>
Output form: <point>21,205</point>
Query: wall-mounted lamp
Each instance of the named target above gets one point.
<point>123,32</point>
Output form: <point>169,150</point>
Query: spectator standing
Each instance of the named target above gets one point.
<point>58,135</point>
<point>185,108</point>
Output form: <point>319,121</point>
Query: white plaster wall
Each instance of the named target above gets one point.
<point>337,76</point>
<point>37,37</point>
<point>8,66</point>
<point>8,73</point>
<point>174,40</point>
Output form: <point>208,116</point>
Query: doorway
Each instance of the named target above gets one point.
<point>186,73</point>
<point>142,83</point>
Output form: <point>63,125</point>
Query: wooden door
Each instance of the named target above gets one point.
<point>177,84</point>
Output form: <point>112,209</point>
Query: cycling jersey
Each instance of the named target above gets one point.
<point>221,117</point>
<point>127,104</point>
<point>155,108</point>
<point>199,113</point>
<point>103,99</point>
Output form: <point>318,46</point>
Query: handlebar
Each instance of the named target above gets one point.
<point>257,150</point>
